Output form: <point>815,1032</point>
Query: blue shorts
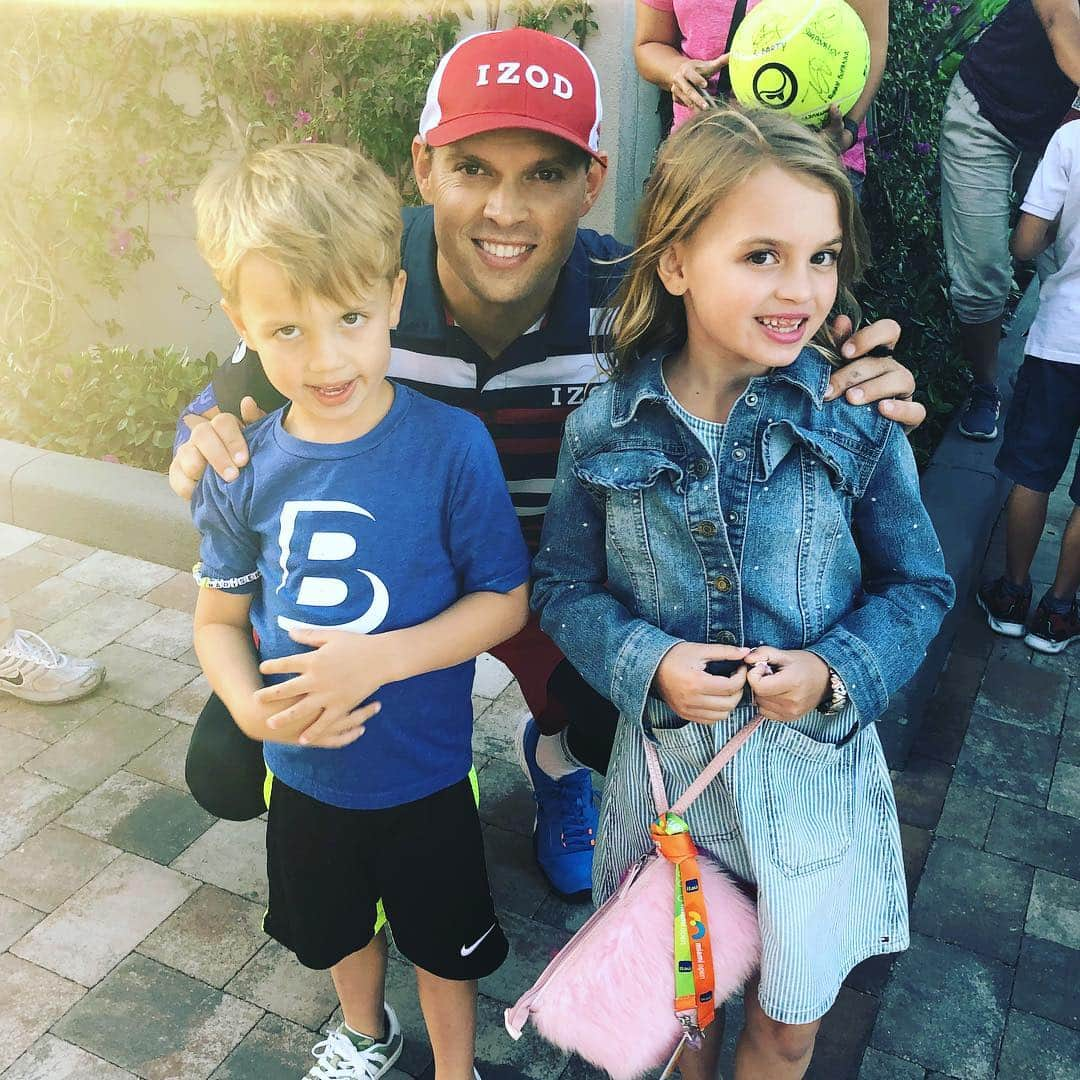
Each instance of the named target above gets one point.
<point>1041,426</point>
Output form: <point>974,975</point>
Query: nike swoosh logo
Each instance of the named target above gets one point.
<point>15,680</point>
<point>468,950</point>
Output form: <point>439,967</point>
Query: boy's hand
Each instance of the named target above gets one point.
<point>343,669</point>
<point>692,693</point>
<point>877,376</point>
<point>216,440</point>
<point>336,735</point>
<point>795,685</point>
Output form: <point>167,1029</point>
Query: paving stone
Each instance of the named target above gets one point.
<point>531,1056</point>
<point>1054,911</point>
<point>944,726</point>
<point>139,678</point>
<point>1007,760</point>
<point>44,870</point>
<point>50,722</point>
<point>138,815</point>
<point>506,800</point>
<point>966,814</point>
<point>1063,663</point>
<point>974,899</point>
<point>97,624</point>
<point>961,676</point>
<point>1038,837</point>
<point>53,1059</point>
<point>16,749</point>
<point>54,598</point>
<point>277,981</point>
<point>166,633</point>
<point>1037,1048</point>
<point>1069,747</point>
<point>1048,982</point>
<point>231,855</point>
<point>164,761</point>
<point>518,886</point>
<point>920,790</point>
<point>27,568</point>
<point>62,546</point>
<point>209,937</point>
<point>120,573</point>
<point>973,637</point>
<point>532,946</point>
<point>274,1049</point>
<point>842,1038</point>
<point>871,976</point>
<point>13,538</point>
<point>915,844</point>
<point>492,677</point>
<point>96,749</point>
<point>178,592</point>
<point>186,703</point>
<point>15,920</point>
<point>879,1066</point>
<point>97,926</point>
<point>557,912</point>
<point>1065,790</point>
<point>184,1030</point>
<point>28,803</point>
<point>1023,695</point>
<point>31,999</point>
<point>944,1008</point>
<point>494,728</point>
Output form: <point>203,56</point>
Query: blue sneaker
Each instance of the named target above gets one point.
<point>564,833</point>
<point>980,415</point>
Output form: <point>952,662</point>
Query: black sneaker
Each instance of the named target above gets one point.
<point>1051,632</point>
<point>1006,609</point>
<point>980,416</point>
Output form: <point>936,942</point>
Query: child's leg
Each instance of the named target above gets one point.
<point>769,1050</point>
<point>702,1064</point>
<point>360,981</point>
<point>1067,579</point>
<point>1024,523</point>
<point>449,1008</point>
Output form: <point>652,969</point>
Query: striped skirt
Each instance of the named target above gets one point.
<point>811,826</point>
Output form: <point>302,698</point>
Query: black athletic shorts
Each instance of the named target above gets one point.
<point>328,867</point>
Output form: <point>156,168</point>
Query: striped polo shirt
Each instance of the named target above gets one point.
<point>523,395</point>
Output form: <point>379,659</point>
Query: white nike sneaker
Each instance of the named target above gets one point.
<point>340,1057</point>
<point>31,669</point>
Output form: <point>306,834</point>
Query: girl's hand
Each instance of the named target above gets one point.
<point>692,693</point>
<point>341,670</point>
<point>795,685</point>
<point>690,84</point>
<point>834,132</point>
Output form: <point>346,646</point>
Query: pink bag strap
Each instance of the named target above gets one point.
<point>705,778</point>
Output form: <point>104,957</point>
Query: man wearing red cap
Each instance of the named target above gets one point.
<point>498,318</point>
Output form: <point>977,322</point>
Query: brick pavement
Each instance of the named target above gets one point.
<point>130,941</point>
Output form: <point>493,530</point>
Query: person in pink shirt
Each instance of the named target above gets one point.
<point>682,46</point>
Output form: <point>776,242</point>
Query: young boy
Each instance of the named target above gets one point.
<point>375,523</point>
<point>1045,415</point>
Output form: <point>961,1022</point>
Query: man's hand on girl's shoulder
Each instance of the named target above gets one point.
<point>871,373</point>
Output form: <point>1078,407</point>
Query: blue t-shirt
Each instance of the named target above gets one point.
<point>376,534</point>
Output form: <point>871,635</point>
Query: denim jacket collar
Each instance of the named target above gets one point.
<point>646,382</point>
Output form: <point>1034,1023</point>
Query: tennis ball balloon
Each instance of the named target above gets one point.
<point>800,56</point>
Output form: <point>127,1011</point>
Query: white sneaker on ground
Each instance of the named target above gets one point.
<point>341,1057</point>
<point>31,669</point>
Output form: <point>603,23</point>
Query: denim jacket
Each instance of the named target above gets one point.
<point>809,533</point>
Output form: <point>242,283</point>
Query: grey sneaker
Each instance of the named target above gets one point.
<point>340,1057</point>
<point>31,669</point>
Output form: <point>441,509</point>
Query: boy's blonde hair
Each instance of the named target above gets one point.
<point>702,162</point>
<point>326,215</point>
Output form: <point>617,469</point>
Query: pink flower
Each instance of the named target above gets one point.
<point>271,97</point>
<point>302,118</point>
<point>119,242</point>
<point>110,457</point>
<point>143,159</point>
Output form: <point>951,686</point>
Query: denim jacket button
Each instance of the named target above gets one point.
<point>704,528</point>
<point>733,517</point>
<point>751,400</point>
<point>700,468</point>
<point>722,584</point>
<point>725,637</point>
<point>738,454</point>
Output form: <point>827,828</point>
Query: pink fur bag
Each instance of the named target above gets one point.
<point>609,993</point>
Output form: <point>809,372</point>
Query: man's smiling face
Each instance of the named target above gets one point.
<point>507,205</point>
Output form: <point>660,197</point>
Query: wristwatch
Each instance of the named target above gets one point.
<point>853,127</point>
<point>836,696</point>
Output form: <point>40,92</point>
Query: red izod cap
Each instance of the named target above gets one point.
<point>514,79</point>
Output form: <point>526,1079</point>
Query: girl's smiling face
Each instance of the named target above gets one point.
<point>759,276</point>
